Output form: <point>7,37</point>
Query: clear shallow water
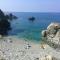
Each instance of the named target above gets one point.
<point>23,28</point>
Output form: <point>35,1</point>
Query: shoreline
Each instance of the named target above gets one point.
<point>11,48</point>
<point>25,39</point>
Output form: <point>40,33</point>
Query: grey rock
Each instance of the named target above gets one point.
<point>52,33</point>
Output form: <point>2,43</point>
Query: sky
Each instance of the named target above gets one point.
<point>30,5</point>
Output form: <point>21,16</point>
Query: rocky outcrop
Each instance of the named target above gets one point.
<point>11,16</point>
<point>52,33</point>
<point>31,19</point>
<point>5,22</point>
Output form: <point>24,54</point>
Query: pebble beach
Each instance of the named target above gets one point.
<point>12,48</point>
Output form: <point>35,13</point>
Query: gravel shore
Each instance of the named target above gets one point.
<point>12,48</point>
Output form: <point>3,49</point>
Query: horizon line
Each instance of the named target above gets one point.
<point>30,12</point>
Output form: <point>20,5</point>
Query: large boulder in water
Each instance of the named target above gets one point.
<point>31,19</point>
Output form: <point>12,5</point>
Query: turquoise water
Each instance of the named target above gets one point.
<point>23,28</point>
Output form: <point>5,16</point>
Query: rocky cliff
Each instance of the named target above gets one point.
<point>52,33</point>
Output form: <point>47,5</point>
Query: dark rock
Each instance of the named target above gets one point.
<point>5,23</point>
<point>36,59</point>
<point>31,19</point>
<point>11,16</point>
<point>4,27</point>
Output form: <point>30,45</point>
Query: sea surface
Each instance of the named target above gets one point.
<point>23,28</point>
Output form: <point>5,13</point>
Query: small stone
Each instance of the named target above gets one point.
<point>11,41</point>
<point>36,59</point>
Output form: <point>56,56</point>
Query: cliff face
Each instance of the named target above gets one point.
<point>5,23</point>
<point>52,33</point>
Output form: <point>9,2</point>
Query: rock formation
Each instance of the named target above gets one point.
<point>5,23</point>
<point>52,33</point>
<point>31,19</point>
